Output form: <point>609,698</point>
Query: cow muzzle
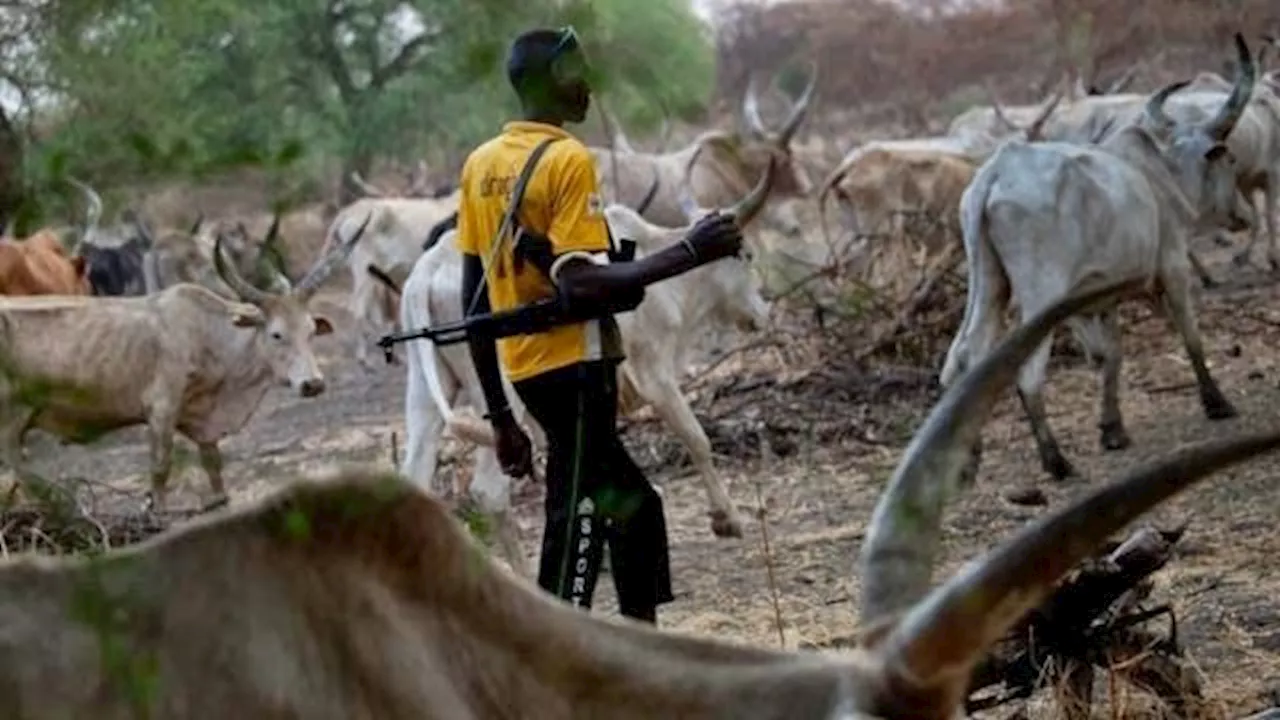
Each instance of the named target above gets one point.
<point>311,387</point>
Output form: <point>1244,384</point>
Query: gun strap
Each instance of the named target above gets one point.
<point>509,217</point>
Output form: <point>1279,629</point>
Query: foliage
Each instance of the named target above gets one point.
<point>150,90</point>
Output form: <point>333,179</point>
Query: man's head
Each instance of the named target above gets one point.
<point>548,70</point>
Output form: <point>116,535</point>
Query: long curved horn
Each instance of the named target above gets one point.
<point>195,226</point>
<point>745,210</point>
<point>996,107</point>
<point>92,215</point>
<point>307,286</point>
<point>417,186</point>
<point>751,109</point>
<point>1246,75</point>
<point>365,186</point>
<point>903,536</point>
<point>273,232</point>
<point>800,108</point>
<point>1123,81</point>
<point>228,273</point>
<point>653,192</point>
<point>684,191</point>
<point>1035,131</point>
<point>1155,105</point>
<point>948,633</point>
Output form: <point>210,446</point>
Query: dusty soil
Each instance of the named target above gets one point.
<point>834,437</point>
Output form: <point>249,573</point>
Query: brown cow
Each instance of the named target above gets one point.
<point>364,598</point>
<point>40,265</point>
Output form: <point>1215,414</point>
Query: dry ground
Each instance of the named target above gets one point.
<point>834,440</point>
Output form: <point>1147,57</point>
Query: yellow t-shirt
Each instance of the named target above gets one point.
<point>562,202</point>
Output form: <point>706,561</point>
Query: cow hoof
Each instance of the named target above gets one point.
<point>1219,409</point>
<point>217,501</point>
<point>725,525</point>
<point>1114,437</point>
<point>1060,468</point>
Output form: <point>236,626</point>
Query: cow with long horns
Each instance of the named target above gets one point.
<point>1042,219</point>
<point>362,596</point>
<point>183,359</point>
<point>730,162</point>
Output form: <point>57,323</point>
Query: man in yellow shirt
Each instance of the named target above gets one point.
<point>560,247</point>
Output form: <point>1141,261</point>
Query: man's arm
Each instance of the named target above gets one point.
<point>484,351</point>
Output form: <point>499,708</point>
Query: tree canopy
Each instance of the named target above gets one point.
<point>149,89</point>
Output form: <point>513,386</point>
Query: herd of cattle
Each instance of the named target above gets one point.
<point>1063,208</point>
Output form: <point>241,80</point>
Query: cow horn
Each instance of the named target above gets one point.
<point>273,232</point>
<point>365,186</point>
<point>228,273</point>
<point>751,109</point>
<point>943,637</point>
<point>307,286</point>
<point>1035,131</point>
<point>195,226</point>
<point>1123,81</point>
<point>1155,105</point>
<point>684,192</point>
<point>800,108</point>
<point>418,180</point>
<point>92,215</point>
<point>1246,75</point>
<point>745,210</point>
<point>653,192</point>
<point>996,108</point>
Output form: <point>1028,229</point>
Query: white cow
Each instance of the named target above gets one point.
<point>183,359</point>
<point>1042,219</point>
<point>657,337</point>
<point>361,597</point>
<point>394,241</point>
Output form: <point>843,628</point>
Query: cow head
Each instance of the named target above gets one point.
<point>736,288</point>
<point>285,323</point>
<point>1197,154</point>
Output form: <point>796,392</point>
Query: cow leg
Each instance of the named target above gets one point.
<point>1255,230</point>
<point>490,490</point>
<point>669,403</point>
<point>1269,217</point>
<point>14,422</point>
<point>1177,304</point>
<point>211,463</point>
<point>1104,343</point>
<point>1206,279</point>
<point>363,301</point>
<point>160,441</point>
<point>1030,392</point>
<point>424,427</point>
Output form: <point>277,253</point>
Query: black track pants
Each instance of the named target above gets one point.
<point>595,493</point>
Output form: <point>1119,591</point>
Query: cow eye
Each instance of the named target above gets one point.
<point>277,335</point>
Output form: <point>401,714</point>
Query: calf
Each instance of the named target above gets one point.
<point>657,337</point>
<point>361,597</point>
<point>1040,220</point>
<point>182,359</point>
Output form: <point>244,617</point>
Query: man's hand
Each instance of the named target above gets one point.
<point>515,452</point>
<point>715,236</point>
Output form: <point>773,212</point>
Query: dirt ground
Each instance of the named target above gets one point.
<point>834,439</point>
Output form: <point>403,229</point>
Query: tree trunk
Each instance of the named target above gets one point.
<point>12,192</point>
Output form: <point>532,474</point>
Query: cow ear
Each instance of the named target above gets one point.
<point>1216,152</point>
<point>248,317</point>
<point>323,326</point>
<point>79,265</point>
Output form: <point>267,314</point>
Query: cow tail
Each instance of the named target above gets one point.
<point>426,357</point>
<point>982,262</point>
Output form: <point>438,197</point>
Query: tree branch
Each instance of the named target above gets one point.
<point>331,56</point>
<point>401,63</point>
